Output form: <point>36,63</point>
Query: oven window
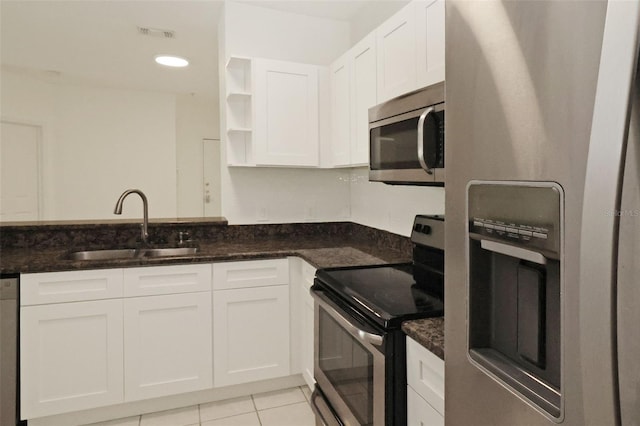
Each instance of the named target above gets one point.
<point>394,146</point>
<point>348,366</point>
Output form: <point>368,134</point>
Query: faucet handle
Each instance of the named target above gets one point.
<point>184,237</point>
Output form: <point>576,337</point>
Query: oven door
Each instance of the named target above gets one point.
<point>349,364</point>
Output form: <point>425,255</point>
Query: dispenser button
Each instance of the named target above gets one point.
<point>478,223</point>
<point>500,228</point>
<point>540,235</point>
<point>512,230</point>
<point>489,226</point>
<point>525,232</point>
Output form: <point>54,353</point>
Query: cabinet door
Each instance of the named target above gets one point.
<point>167,344</point>
<point>429,41</point>
<point>420,413</point>
<point>286,113</point>
<point>251,334</point>
<point>425,374</point>
<point>70,357</point>
<point>307,329</point>
<point>340,112</point>
<point>396,51</point>
<point>363,96</point>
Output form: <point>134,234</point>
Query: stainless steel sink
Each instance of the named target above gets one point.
<point>172,251</point>
<point>103,254</point>
<point>132,253</point>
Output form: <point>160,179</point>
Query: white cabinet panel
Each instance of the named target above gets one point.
<point>251,334</point>
<point>420,413</point>
<point>70,286</point>
<point>167,279</point>
<point>396,54</point>
<point>286,113</point>
<point>425,374</point>
<point>70,357</point>
<point>430,41</point>
<point>363,96</point>
<point>167,342</point>
<point>340,111</point>
<point>250,273</point>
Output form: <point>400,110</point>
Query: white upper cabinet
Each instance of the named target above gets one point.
<point>285,97</point>
<point>430,41</point>
<point>396,51</point>
<point>363,96</point>
<point>341,111</point>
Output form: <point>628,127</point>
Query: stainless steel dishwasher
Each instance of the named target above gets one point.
<point>8,350</point>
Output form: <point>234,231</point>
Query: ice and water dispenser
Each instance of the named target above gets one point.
<point>515,282</point>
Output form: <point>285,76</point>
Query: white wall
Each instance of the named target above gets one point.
<point>196,119</point>
<point>97,143</point>
<point>273,195</point>
<point>391,207</point>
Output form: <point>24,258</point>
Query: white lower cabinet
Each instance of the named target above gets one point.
<point>420,413</point>
<point>70,357</point>
<point>251,334</point>
<point>425,386</point>
<point>167,345</point>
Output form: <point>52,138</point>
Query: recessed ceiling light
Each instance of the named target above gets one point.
<point>171,61</point>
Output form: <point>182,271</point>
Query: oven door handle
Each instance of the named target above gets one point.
<point>423,117</point>
<point>346,323</point>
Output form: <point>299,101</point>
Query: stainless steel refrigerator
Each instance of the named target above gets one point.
<point>542,291</point>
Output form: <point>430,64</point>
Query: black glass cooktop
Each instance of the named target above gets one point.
<point>387,294</point>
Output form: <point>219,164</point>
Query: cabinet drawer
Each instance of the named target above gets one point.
<point>420,412</point>
<point>425,374</point>
<point>70,286</point>
<point>158,280</point>
<point>253,273</point>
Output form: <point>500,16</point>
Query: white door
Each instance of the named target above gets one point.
<point>286,114</point>
<point>70,357</point>
<point>340,112</point>
<point>20,172</point>
<point>167,343</point>
<point>251,334</point>
<point>430,41</point>
<point>211,177</point>
<point>363,96</point>
<point>396,51</point>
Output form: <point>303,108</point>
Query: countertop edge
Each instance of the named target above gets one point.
<point>428,332</point>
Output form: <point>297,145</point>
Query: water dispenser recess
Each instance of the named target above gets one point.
<point>514,261</point>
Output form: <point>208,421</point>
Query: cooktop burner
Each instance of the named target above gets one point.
<point>388,294</point>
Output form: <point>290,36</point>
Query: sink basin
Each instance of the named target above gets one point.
<point>173,251</point>
<point>103,254</point>
<point>132,253</point>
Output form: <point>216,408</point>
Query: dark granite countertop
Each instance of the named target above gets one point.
<point>322,245</point>
<point>429,332</point>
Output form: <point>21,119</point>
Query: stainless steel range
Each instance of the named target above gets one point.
<point>359,354</point>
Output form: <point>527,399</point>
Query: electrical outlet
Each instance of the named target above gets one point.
<point>262,214</point>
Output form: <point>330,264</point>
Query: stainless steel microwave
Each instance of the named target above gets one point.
<point>406,138</point>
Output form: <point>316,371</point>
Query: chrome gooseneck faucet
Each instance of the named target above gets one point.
<point>145,218</point>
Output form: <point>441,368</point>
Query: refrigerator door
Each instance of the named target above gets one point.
<point>521,80</point>
<point>628,285</point>
<point>609,247</point>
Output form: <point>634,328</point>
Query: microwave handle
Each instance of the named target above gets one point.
<point>423,117</point>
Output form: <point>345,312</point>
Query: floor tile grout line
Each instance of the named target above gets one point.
<point>256,410</point>
<point>285,405</point>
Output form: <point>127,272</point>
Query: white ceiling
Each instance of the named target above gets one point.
<point>98,41</point>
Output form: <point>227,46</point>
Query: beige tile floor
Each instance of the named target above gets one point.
<point>289,407</point>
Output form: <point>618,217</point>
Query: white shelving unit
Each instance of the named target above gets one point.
<point>239,111</point>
